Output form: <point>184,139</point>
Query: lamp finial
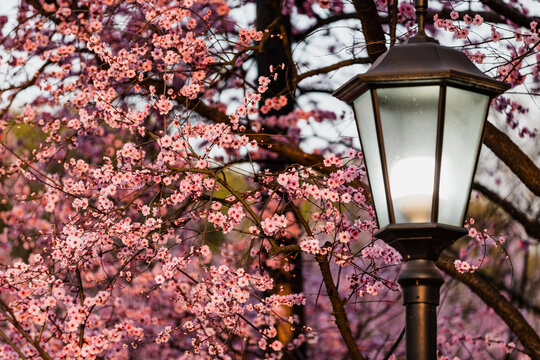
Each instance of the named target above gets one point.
<point>421,11</point>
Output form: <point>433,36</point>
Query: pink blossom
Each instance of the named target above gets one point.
<point>478,20</point>
<point>276,345</point>
<point>495,35</point>
<point>332,160</point>
<point>462,34</point>
<point>344,237</point>
<point>463,266</point>
<point>164,105</point>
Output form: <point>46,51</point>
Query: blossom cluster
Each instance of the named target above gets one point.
<point>149,206</point>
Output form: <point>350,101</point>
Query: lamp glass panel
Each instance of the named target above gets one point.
<point>365,119</point>
<point>409,124</point>
<point>464,119</point>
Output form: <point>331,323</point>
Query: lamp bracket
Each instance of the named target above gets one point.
<point>420,240</point>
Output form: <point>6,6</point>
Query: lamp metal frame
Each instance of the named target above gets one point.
<point>421,62</point>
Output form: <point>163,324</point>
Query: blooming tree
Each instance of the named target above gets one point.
<point>166,191</point>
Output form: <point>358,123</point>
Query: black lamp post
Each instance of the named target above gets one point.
<point>420,111</point>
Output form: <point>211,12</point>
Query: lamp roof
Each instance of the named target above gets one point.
<point>421,60</point>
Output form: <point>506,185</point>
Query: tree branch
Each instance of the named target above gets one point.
<point>488,16</point>
<point>515,296</point>
<point>509,12</point>
<point>12,319</point>
<point>339,313</point>
<point>332,67</point>
<point>520,164</point>
<point>13,346</point>
<point>531,227</point>
<point>444,13</point>
<point>273,143</point>
<point>491,297</point>
<point>372,28</point>
<point>323,22</point>
<point>501,145</point>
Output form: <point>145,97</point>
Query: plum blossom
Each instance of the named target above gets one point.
<point>463,266</point>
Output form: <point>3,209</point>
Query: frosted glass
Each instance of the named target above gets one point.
<point>409,123</point>
<point>368,138</point>
<point>464,118</point>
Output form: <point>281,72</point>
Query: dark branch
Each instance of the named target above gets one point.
<point>332,67</point>
<point>509,12</point>
<point>513,157</point>
<point>372,28</point>
<point>502,307</point>
<point>531,227</point>
<point>323,22</point>
<point>339,313</point>
<point>488,16</point>
<point>338,310</point>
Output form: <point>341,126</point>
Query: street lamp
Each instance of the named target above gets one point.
<point>420,111</point>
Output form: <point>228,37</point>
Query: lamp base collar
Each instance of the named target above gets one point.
<point>420,240</point>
